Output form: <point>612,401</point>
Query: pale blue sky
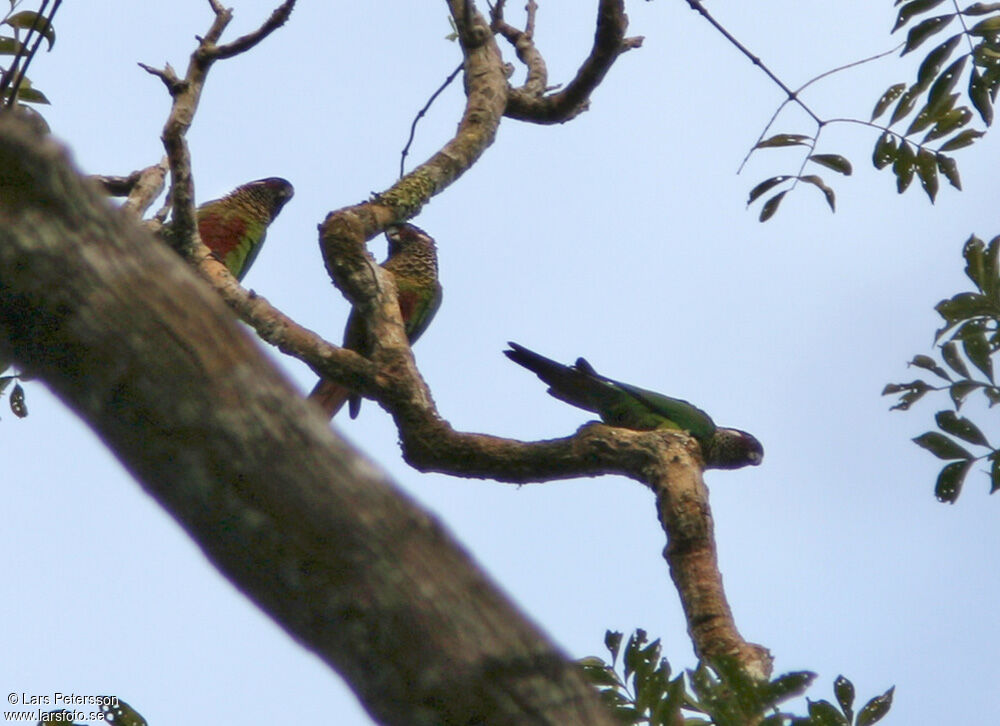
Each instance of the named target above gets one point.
<point>621,236</point>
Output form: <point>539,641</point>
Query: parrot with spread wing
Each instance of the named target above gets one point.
<point>626,406</point>
<point>413,263</point>
<point>234,227</point>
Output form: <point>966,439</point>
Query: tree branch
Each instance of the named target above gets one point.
<point>529,103</point>
<point>148,355</point>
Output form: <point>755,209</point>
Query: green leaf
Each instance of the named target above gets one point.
<point>907,102</point>
<point>927,172</point>
<point>597,673</point>
<point>949,167</point>
<point>941,446</point>
<point>613,642</point>
<point>10,46</point>
<point>929,364</point>
<point>965,306</point>
<point>891,94</point>
<point>924,30</point>
<point>949,351</point>
<point>959,391</point>
<point>945,83</point>
<point>903,166</point>
<point>817,182</point>
<point>771,206</point>
<point>974,252</point>
<point>950,422</point>
<point>766,185</point>
<point>994,472</point>
<point>976,347</point>
<point>981,8</point>
<point>823,713</point>
<point>991,281</point>
<point>979,94</point>
<point>885,151</point>
<point>876,708</point>
<point>26,18</point>
<point>31,95</point>
<point>784,140</point>
<point>956,118</point>
<point>913,8</point>
<point>833,161</point>
<point>17,404</point>
<point>986,27</point>
<point>946,489</point>
<point>843,689</point>
<point>935,60</point>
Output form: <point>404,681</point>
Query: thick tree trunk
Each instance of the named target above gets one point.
<point>316,535</point>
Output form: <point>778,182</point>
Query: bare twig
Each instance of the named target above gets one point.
<point>524,44</point>
<point>186,93</point>
<point>420,114</point>
<point>803,87</point>
<point>147,188</point>
<point>117,186</point>
<point>248,41</point>
<point>609,43</point>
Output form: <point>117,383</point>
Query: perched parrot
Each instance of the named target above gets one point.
<point>620,404</point>
<point>413,263</point>
<point>235,226</point>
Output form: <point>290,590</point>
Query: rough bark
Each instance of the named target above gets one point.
<point>145,352</point>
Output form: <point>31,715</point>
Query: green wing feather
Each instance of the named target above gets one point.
<point>618,404</point>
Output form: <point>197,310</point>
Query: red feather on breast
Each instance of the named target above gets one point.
<point>221,236</point>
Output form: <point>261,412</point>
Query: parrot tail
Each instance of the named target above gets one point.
<point>329,396</point>
<point>577,385</point>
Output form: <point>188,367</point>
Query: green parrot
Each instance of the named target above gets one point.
<point>235,226</point>
<point>413,263</point>
<point>626,406</point>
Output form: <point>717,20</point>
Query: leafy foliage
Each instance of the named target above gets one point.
<point>23,27</point>
<point>641,691</point>
<point>931,103</point>
<point>948,94</point>
<point>967,343</point>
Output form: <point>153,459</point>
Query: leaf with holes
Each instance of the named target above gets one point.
<point>891,94</point>
<point>907,102</point>
<point>934,61</point>
<point>954,119</point>
<point>926,165</point>
<point>951,423</point>
<point>949,167</point>
<point>885,151</point>
<point>976,347</point>
<point>941,446</point>
<point>979,94</point>
<point>913,8</point>
<point>945,83</point>
<point>946,489</point>
<point>961,140</point>
<point>903,166</point>
<point>924,30</point>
